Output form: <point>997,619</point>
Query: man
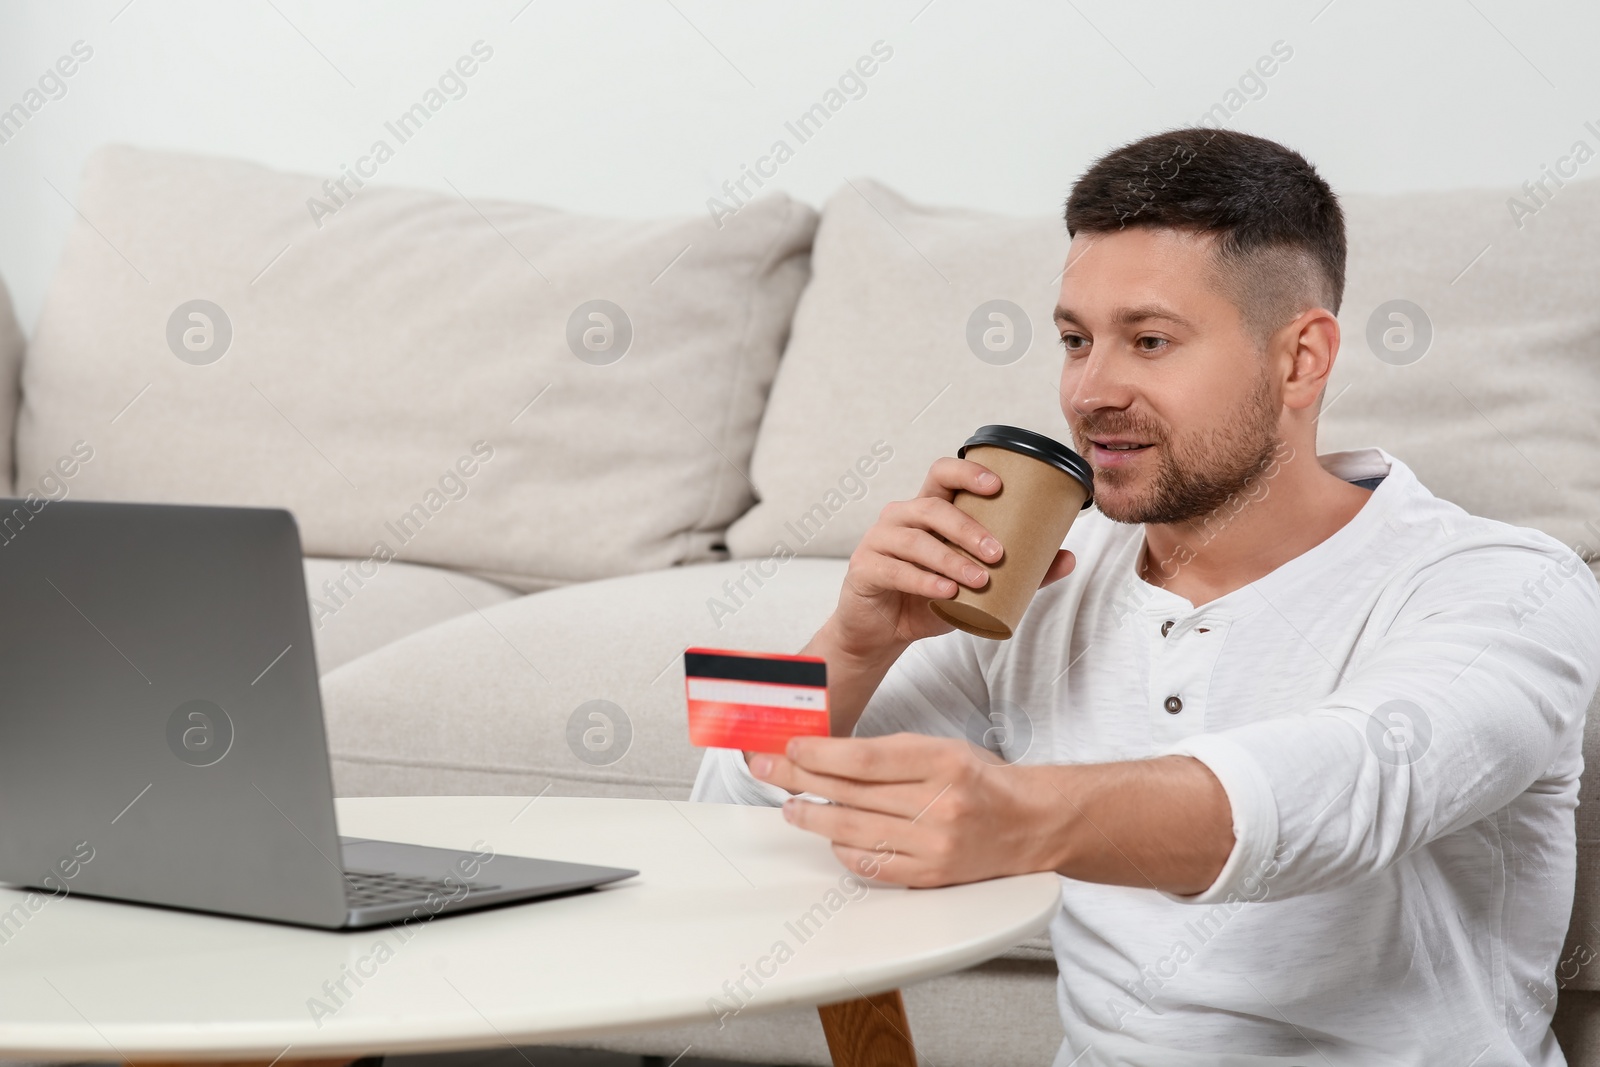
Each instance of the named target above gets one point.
<point>1307,774</point>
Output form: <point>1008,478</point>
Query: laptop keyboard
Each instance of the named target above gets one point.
<point>365,889</point>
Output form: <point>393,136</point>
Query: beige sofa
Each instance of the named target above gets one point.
<point>676,432</point>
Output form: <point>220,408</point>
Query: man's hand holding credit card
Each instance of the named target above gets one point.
<point>754,701</point>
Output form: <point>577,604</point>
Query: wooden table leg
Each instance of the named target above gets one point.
<point>870,1032</point>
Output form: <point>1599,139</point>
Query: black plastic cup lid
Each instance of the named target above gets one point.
<point>1039,447</point>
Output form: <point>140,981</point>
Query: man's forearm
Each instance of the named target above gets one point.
<point>851,679</point>
<point>1160,823</point>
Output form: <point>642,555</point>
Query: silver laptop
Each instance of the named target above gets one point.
<point>161,735</point>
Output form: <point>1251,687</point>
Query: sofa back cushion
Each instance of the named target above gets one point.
<point>880,379</point>
<point>1471,350</point>
<point>531,395</point>
<point>896,342</point>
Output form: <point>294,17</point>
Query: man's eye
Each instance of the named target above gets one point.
<point>1074,342</point>
<point>1150,343</point>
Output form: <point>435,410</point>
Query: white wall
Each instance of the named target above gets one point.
<point>640,107</point>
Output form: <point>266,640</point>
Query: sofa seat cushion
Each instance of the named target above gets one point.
<point>521,392</point>
<point>1577,1027</point>
<point>577,690</point>
<point>357,606</point>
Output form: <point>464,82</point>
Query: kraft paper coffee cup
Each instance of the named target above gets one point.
<point>1043,486</point>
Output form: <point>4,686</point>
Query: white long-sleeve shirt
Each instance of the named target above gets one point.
<point>1396,717</point>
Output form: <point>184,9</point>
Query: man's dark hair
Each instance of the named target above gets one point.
<point>1279,228</point>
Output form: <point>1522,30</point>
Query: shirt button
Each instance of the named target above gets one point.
<point>1166,627</point>
<point>1173,705</point>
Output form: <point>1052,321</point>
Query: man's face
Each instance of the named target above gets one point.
<point>1157,357</point>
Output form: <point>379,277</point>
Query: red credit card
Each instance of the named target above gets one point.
<point>753,701</point>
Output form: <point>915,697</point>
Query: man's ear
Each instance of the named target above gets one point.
<point>1311,343</point>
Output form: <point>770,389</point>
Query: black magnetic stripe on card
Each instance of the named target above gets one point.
<point>753,669</point>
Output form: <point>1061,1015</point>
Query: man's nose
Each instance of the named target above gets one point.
<point>1092,384</point>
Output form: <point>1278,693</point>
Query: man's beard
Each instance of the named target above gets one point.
<point>1195,477</point>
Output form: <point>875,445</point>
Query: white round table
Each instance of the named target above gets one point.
<point>733,910</point>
